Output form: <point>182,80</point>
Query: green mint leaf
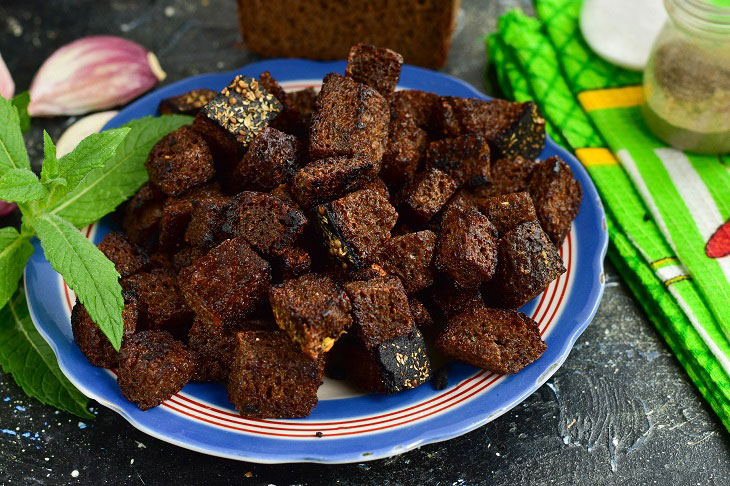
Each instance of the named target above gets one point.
<point>21,185</point>
<point>103,189</point>
<point>14,252</point>
<point>49,170</point>
<point>91,153</point>
<point>12,147</point>
<point>21,102</point>
<point>28,357</point>
<point>86,270</point>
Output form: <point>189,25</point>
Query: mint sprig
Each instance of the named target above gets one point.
<point>73,191</point>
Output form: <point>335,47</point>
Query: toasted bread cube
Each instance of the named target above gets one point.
<point>418,105</point>
<point>127,258</point>
<point>511,128</point>
<point>509,210</point>
<point>188,103</point>
<point>331,178</point>
<point>206,221</point>
<point>267,223</point>
<point>223,146</point>
<point>528,262</point>
<point>507,176</point>
<point>450,300</point>
<point>292,263</point>
<point>271,377</point>
<point>406,146</point>
<point>180,161</point>
<point>397,364</point>
<point>557,196</point>
<point>142,215</point>
<point>93,342</point>
<point>464,158</point>
<point>153,366</point>
<point>427,194</point>
<point>176,214</point>
<point>313,310</point>
<point>351,119</point>
<point>376,67</point>
<point>160,302</point>
<point>227,284</point>
<point>283,192</point>
<point>421,315</point>
<point>410,258</point>
<point>187,256</point>
<point>302,101</point>
<point>290,120</point>
<point>380,310</point>
<point>354,227</point>
<point>241,110</point>
<point>467,249</point>
<point>500,341</point>
<point>272,159</point>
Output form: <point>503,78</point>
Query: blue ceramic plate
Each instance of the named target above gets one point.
<point>354,427</point>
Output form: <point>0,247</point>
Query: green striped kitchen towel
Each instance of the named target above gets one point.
<point>580,96</point>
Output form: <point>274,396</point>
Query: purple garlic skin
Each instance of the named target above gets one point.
<point>7,208</point>
<point>7,86</point>
<point>91,74</point>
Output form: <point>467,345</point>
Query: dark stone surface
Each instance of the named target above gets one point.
<point>620,410</point>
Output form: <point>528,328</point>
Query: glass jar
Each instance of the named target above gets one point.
<point>687,78</point>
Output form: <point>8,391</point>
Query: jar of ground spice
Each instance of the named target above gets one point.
<point>687,78</point>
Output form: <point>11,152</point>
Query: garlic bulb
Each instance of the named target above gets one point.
<point>81,129</point>
<point>91,74</point>
<point>7,86</point>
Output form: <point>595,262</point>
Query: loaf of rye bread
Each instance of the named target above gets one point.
<point>420,30</point>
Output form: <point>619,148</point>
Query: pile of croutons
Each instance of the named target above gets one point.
<point>285,235</point>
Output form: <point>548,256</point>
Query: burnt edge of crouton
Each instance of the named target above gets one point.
<point>313,310</point>
<point>410,257</point>
<point>506,176</point>
<point>271,378</point>
<point>557,196</point>
<point>271,159</point>
<point>180,161</point>
<point>176,214</point>
<point>227,284</point>
<point>331,178</point>
<point>152,367</point>
<point>188,103</point>
<point>376,67</point>
<point>464,158</point>
<point>353,227</point>
<point>525,135</point>
<point>205,229</point>
<point>527,263</point>
<point>127,258</point>
<point>497,340</point>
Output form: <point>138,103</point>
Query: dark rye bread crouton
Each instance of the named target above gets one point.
<point>467,248</point>
<point>354,227</point>
<point>283,192</point>
<point>180,161</point>
<point>289,119</point>
<point>272,159</point>
<point>153,366</point>
<point>557,196</point>
<point>187,256</point>
<point>227,284</point>
<point>421,316</point>
<point>508,211</point>
<point>293,262</point>
<point>214,347</point>
<point>380,310</point>
<point>450,300</point>
<point>303,101</point>
<point>93,342</point>
<point>176,214</point>
<point>267,223</point>
<point>464,158</point>
<point>500,341</point>
<point>418,105</point>
<point>331,178</point>
<point>507,176</point>
<point>205,227</point>
<point>528,262</point>
<point>410,258</point>
<point>188,103</point>
<point>127,258</point>
<point>511,128</point>
<point>313,310</point>
<point>400,363</point>
<point>427,194</point>
<point>376,67</point>
<point>160,302</point>
<point>403,153</point>
<point>271,378</point>
<point>141,221</point>
<point>351,119</point>
<point>235,116</point>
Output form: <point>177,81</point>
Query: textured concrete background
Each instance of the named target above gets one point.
<point>619,411</point>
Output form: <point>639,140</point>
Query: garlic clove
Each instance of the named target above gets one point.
<point>91,74</point>
<point>7,86</point>
<point>81,129</point>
